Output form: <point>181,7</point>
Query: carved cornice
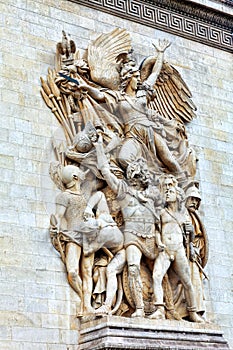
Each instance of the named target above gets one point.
<point>184,18</point>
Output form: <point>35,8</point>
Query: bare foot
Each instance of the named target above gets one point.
<point>103,310</point>
<point>157,315</point>
<point>194,317</point>
<point>138,313</point>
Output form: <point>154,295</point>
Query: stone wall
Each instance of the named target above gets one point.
<point>37,306</point>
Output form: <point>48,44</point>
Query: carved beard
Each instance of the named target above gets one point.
<point>139,181</point>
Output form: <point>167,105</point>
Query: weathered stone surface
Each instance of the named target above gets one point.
<point>113,332</point>
<point>31,30</point>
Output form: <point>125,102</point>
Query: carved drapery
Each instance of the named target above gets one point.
<point>125,224</point>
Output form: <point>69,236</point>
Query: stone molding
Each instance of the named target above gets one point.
<point>190,20</point>
<point>111,332</point>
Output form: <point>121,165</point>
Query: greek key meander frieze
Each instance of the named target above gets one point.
<point>192,21</point>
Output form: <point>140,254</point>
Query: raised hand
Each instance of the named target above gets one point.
<point>162,45</point>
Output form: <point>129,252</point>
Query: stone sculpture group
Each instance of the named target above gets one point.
<point>126,222</point>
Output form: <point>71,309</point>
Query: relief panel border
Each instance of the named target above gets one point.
<point>189,20</point>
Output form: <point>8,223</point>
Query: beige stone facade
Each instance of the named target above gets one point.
<point>37,306</point>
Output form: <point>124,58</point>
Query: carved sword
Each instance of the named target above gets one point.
<point>72,80</point>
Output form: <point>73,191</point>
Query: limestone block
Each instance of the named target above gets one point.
<point>61,347</point>
<point>9,149</point>
<point>33,334</point>
<point>12,319</point>
<point>55,321</point>
<point>5,333</point>
<point>6,161</point>
<point>40,291</point>
<point>9,216</point>
<point>31,30</point>
<point>70,337</point>
<point>36,305</point>
<point>55,307</point>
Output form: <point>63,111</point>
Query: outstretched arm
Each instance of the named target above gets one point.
<point>160,47</point>
<point>94,93</point>
<point>103,165</point>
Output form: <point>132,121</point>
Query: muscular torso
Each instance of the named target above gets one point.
<point>75,205</point>
<point>137,218</point>
<point>171,231</point>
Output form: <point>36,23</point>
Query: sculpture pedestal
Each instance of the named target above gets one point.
<point>113,332</point>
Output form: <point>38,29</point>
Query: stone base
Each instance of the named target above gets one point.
<point>113,332</point>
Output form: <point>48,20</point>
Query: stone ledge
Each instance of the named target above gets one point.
<point>188,19</point>
<point>112,332</point>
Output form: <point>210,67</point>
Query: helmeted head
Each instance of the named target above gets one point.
<point>70,174</point>
<point>83,140</point>
<point>192,196</point>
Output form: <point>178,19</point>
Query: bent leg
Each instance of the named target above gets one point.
<point>73,253</point>
<point>133,257</point>
<point>87,267</point>
<point>182,268</point>
<point>160,268</point>
<point>115,267</point>
<point>165,155</point>
<point>129,151</point>
<point>98,201</point>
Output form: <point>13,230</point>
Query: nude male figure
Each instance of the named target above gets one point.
<point>173,219</point>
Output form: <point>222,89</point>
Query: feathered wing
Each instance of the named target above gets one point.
<point>103,54</point>
<point>172,97</point>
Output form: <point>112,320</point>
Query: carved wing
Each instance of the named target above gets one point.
<point>172,97</point>
<point>104,57</point>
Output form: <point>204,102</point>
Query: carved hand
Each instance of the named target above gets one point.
<point>88,213</point>
<point>81,88</point>
<point>71,68</point>
<point>162,45</point>
<point>99,140</point>
<point>189,228</point>
<point>161,247</point>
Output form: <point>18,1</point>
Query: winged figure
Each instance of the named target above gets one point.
<point>140,114</point>
<point>141,111</point>
<point>152,103</point>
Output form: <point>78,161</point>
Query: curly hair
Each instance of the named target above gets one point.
<point>137,170</point>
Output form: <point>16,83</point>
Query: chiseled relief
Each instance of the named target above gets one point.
<point>126,222</point>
